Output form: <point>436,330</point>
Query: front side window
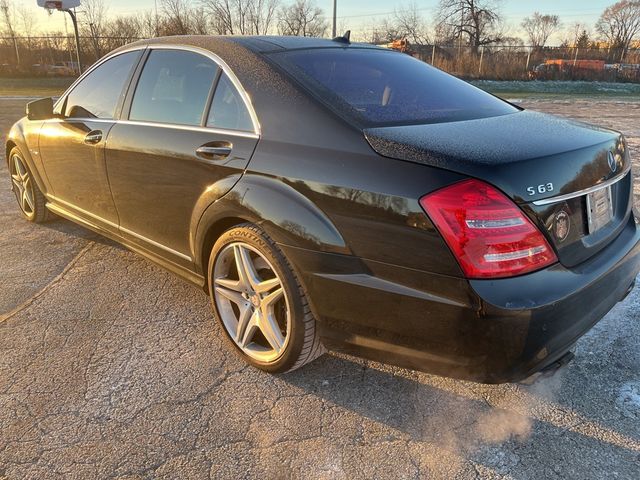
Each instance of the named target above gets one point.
<point>228,110</point>
<point>97,94</point>
<point>173,88</point>
<point>384,88</point>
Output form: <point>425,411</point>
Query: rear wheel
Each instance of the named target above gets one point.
<point>260,303</point>
<point>30,199</point>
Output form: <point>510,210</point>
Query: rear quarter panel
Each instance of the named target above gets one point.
<point>352,202</point>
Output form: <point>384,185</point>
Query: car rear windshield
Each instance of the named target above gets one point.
<point>386,88</point>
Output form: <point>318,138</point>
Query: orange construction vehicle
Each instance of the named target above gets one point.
<point>401,45</point>
<point>596,65</point>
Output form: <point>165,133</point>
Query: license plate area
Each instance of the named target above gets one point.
<point>599,209</point>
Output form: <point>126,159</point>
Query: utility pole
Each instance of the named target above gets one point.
<point>334,34</point>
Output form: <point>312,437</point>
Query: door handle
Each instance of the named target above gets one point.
<point>215,152</point>
<point>93,137</point>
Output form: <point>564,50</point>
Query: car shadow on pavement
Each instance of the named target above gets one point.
<point>471,422</point>
<point>67,227</point>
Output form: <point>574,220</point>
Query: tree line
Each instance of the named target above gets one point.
<point>465,23</point>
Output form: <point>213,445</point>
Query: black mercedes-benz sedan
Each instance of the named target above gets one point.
<point>343,196</point>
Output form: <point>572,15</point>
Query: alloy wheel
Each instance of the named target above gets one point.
<point>252,302</point>
<point>22,184</point>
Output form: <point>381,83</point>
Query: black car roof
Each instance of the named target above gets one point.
<point>268,43</point>
<point>257,44</point>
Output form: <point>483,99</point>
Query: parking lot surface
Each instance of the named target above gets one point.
<point>111,367</point>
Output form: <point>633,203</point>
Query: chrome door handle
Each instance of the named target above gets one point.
<point>214,153</point>
<point>93,137</point>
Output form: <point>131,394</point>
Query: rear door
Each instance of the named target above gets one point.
<point>185,139</point>
<point>72,145</point>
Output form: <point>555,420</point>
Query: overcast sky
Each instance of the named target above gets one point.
<point>359,14</point>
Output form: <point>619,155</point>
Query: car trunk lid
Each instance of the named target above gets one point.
<point>570,178</point>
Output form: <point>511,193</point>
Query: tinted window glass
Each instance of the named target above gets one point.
<point>228,110</point>
<point>379,88</point>
<point>97,95</point>
<point>173,88</point>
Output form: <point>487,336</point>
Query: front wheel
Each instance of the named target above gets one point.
<point>260,302</point>
<point>30,199</point>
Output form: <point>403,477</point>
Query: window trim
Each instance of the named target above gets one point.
<point>213,92</point>
<point>122,113</point>
<point>62,101</point>
<point>223,68</point>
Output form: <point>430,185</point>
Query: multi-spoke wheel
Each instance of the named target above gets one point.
<point>259,301</point>
<point>30,198</point>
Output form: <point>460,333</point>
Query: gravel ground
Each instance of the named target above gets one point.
<point>112,368</point>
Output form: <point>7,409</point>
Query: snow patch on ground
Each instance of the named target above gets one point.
<point>552,88</point>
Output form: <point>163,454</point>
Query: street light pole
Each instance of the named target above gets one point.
<point>75,29</point>
<point>333,31</point>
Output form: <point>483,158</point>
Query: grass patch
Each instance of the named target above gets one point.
<point>34,86</point>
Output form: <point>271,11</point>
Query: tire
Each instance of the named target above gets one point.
<point>265,298</point>
<point>31,200</point>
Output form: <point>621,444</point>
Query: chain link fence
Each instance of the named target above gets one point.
<point>55,55</point>
<point>529,63</point>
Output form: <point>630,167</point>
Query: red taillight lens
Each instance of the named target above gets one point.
<point>489,235</point>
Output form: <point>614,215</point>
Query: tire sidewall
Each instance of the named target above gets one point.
<point>248,234</point>
<point>15,151</point>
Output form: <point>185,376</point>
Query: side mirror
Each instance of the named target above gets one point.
<point>41,109</point>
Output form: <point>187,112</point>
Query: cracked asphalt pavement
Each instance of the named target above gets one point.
<point>111,367</point>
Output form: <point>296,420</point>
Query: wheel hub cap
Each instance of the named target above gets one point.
<point>255,300</point>
<point>251,301</point>
<point>21,185</point>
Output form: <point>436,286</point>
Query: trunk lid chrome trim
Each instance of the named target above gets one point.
<point>585,191</point>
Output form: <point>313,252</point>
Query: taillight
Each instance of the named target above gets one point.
<point>488,234</point>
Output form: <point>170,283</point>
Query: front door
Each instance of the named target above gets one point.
<point>72,145</point>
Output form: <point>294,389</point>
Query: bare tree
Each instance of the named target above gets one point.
<point>540,27</point>
<point>477,20</point>
<point>410,24</point>
<point>406,22</point>
<point>244,17</point>
<point>261,14</point>
<point>28,24</point>
<point>620,24</point>
<point>388,31</point>
<point>6,8</point>
<point>302,18</point>
<point>94,23</point>
<point>9,21</point>
<point>198,21</point>
<point>222,15</point>
<point>177,17</point>
<point>124,27</point>
<point>148,24</point>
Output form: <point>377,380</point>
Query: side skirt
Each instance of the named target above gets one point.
<point>179,270</point>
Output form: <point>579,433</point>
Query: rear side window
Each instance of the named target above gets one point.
<point>385,88</point>
<point>228,110</point>
<point>173,88</point>
<point>97,95</point>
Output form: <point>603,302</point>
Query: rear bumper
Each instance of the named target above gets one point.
<point>491,331</point>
